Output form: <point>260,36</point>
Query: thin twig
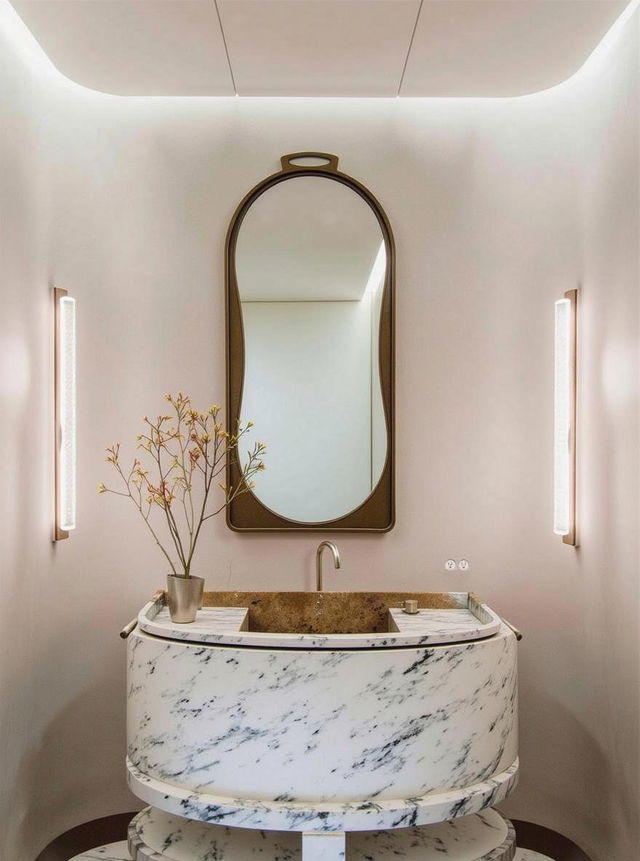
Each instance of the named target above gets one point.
<point>204,448</point>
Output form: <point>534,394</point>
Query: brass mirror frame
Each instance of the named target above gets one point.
<point>247,513</point>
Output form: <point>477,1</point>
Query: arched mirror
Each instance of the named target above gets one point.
<point>310,280</point>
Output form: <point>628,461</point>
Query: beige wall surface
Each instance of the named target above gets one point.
<point>498,207</point>
<point>26,557</point>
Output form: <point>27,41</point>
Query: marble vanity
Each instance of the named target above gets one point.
<point>333,716</point>
<point>119,852</point>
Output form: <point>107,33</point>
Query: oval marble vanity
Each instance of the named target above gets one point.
<point>316,729</point>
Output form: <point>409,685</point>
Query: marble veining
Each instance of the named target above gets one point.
<point>154,835</point>
<point>323,816</point>
<point>229,626</point>
<point>486,836</point>
<point>443,626</point>
<point>119,852</point>
<point>323,725</point>
<point>324,846</point>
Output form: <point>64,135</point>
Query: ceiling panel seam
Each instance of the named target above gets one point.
<point>226,48</point>
<point>406,59</point>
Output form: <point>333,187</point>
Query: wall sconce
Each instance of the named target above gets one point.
<point>564,498</point>
<point>65,412</point>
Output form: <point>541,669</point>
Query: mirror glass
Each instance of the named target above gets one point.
<point>310,268</point>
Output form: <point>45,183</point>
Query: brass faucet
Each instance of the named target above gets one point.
<point>336,561</point>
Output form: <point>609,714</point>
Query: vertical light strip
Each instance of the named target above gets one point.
<point>65,413</point>
<point>564,499</point>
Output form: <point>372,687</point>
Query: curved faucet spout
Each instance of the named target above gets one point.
<point>336,561</point>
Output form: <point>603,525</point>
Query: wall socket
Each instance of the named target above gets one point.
<point>457,565</point>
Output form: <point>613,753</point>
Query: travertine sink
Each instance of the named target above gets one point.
<point>323,612</point>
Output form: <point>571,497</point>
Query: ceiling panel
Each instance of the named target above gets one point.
<point>318,47</point>
<point>502,47</point>
<point>134,47</point>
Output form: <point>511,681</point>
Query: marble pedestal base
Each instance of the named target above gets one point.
<point>119,852</point>
<point>158,836</point>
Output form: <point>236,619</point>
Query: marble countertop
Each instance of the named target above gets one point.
<point>231,626</point>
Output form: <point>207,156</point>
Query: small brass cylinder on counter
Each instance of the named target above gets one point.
<point>410,606</point>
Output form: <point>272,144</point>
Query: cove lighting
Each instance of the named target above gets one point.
<point>564,498</point>
<point>65,413</point>
<point>18,34</point>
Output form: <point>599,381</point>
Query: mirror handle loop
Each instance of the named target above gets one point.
<point>289,165</point>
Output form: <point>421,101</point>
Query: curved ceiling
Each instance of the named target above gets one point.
<point>378,48</point>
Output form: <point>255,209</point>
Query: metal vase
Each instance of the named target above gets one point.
<point>184,597</point>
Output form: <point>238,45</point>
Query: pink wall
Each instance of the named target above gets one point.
<point>25,548</point>
<point>498,207</point>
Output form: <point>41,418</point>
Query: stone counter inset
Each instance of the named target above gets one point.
<point>327,620</point>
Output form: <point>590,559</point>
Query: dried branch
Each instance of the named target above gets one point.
<point>187,450</point>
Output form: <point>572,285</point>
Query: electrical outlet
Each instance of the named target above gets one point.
<point>463,565</point>
<point>450,565</point>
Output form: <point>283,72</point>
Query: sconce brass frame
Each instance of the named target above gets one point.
<point>571,537</point>
<point>58,533</point>
<point>246,513</point>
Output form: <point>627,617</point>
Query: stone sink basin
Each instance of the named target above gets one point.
<point>324,612</point>
<point>323,620</point>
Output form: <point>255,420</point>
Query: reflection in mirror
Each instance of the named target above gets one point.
<point>310,266</point>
